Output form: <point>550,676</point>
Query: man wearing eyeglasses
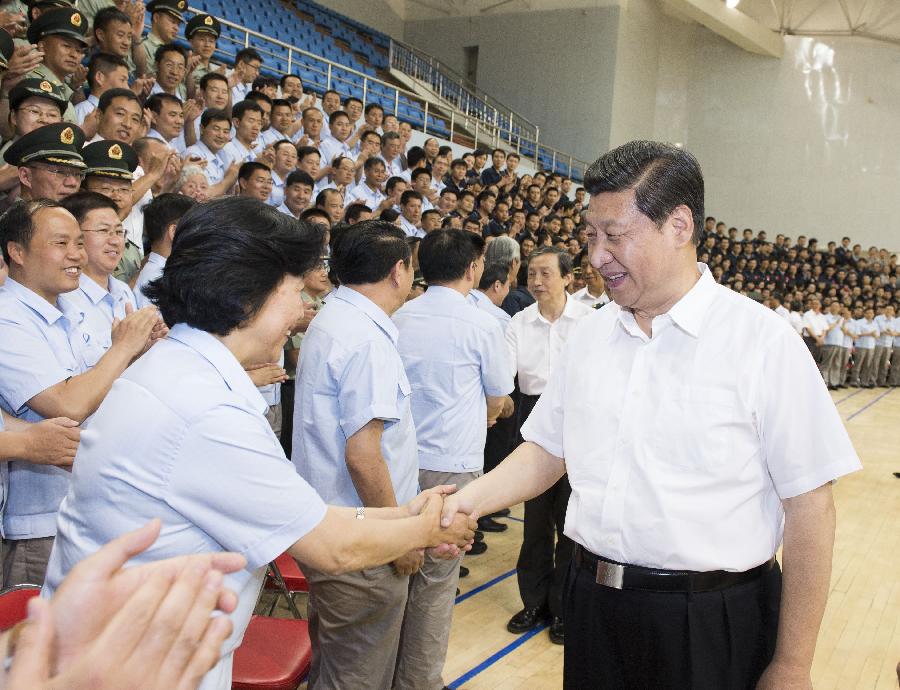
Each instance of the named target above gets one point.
<point>33,103</point>
<point>171,66</point>
<point>49,161</point>
<point>61,35</point>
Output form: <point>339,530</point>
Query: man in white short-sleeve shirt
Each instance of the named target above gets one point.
<point>698,436</point>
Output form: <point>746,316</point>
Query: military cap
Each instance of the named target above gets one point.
<point>46,5</point>
<point>59,22</point>
<point>174,7</point>
<point>6,48</point>
<point>58,143</point>
<point>110,158</point>
<point>205,23</point>
<point>37,87</point>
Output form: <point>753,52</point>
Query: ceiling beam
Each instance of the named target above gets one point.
<point>732,25</point>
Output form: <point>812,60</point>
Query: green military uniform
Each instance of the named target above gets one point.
<point>151,42</point>
<point>89,8</point>
<point>202,23</point>
<point>58,22</point>
<point>117,160</point>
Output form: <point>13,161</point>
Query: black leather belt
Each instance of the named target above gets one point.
<point>620,576</point>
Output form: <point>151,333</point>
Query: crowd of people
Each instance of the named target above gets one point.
<point>169,220</point>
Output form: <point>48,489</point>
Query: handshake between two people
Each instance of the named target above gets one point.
<point>452,522</point>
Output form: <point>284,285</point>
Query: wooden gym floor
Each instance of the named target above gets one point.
<point>859,643</point>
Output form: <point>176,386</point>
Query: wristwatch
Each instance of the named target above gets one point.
<point>361,513</point>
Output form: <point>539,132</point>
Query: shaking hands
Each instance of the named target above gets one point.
<point>450,536</point>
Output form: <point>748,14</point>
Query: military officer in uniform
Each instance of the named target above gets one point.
<point>166,19</point>
<point>49,161</point>
<point>203,32</point>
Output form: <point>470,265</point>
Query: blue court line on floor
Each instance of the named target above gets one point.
<point>494,658</point>
<point>510,517</point>
<point>487,585</point>
<point>847,397</point>
<point>872,402</point>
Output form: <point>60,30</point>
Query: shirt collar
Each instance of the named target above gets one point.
<point>50,313</point>
<point>157,259</point>
<point>478,296</point>
<point>224,361</point>
<point>446,293</point>
<point>687,313</point>
<point>89,287</point>
<point>369,308</point>
<point>567,313</point>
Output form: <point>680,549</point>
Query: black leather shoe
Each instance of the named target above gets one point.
<point>479,535</point>
<point>478,547</point>
<point>499,513</point>
<point>526,619</point>
<point>463,571</point>
<point>557,631</point>
<point>487,524</point>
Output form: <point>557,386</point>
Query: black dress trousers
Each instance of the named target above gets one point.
<point>639,640</point>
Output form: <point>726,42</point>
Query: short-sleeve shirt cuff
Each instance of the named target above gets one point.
<point>378,410</point>
<point>281,540</point>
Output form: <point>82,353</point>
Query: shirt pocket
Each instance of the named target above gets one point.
<point>695,429</point>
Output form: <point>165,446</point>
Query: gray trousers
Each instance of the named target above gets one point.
<point>273,416</point>
<point>881,364</point>
<point>25,560</point>
<point>862,366</point>
<point>831,364</point>
<point>354,626</point>
<point>894,377</point>
<point>845,360</point>
<point>429,609</point>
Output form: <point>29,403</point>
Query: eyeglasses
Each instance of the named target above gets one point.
<point>38,113</point>
<point>171,64</point>
<point>63,173</point>
<point>116,231</point>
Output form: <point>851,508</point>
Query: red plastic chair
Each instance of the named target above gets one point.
<point>275,654</point>
<point>284,575</point>
<point>14,604</point>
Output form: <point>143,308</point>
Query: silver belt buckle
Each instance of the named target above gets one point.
<point>610,574</point>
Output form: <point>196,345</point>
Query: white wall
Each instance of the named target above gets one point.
<point>554,68</point>
<point>379,14</point>
<point>809,144</point>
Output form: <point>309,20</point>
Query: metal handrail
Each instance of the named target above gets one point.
<point>284,58</point>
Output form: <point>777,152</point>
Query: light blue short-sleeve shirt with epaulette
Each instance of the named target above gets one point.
<point>182,436</point>
<point>98,308</point>
<point>349,374</point>
<point>454,354</point>
<point>40,346</point>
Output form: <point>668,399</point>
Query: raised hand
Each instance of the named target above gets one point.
<point>133,332</point>
<point>266,374</point>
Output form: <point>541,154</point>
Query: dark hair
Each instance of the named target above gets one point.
<point>313,212</point>
<point>371,133</point>
<point>213,115</point>
<point>408,195</point>
<point>444,255</point>
<point>353,99</point>
<point>335,115</point>
<point>247,169</point>
<point>17,223</point>
<point>107,16</point>
<point>393,182</point>
<point>282,142</point>
<point>492,273</point>
<point>83,202</point>
<point>162,211</point>
<point>431,212</point>
<point>418,172</point>
<point>262,81</point>
<point>372,163</point>
<point>354,211</point>
<point>322,197</point>
<point>211,76</point>
<point>414,156</point>
<point>662,177</point>
<point>251,243</point>
<point>331,91</point>
<point>245,106</point>
<point>371,107</point>
<point>447,190</point>
<point>258,97</point>
<point>155,102</point>
<point>104,63</point>
<point>366,253</point>
<point>457,162</point>
<point>300,177</point>
<point>281,103</point>
<point>389,215</point>
<point>389,136</point>
<point>247,55</point>
<point>564,258</point>
<point>285,77</point>
<point>112,94</point>
<point>169,48</point>
<point>304,151</point>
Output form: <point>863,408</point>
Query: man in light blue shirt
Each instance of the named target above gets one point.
<point>492,290</point>
<point>456,360</point>
<point>161,217</point>
<point>44,370</point>
<point>214,128</point>
<point>355,443</point>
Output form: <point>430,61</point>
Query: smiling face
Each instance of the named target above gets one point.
<point>121,120</point>
<point>32,113</point>
<point>170,70</point>
<point>102,248</point>
<point>203,44</point>
<point>545,281</point>
<point>169,121</point>
<point>51,263</point>
<point>258,185</point>
<point>115,38</point>
<point>116,189</point>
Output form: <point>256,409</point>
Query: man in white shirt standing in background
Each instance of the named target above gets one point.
<point>593,294</point>
<point>536,337</point>
<point>697,436</point>
<point>814,327</point>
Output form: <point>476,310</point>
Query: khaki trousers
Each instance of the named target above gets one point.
<point>862,366</point>
<point>881,363</point>
<point>273,416</point>
<point>894,377</point>
<point>831,364</point>
<point>429,609</point>
<point>25,561</point>
<point>354,625</point>
<point>845,360</point>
